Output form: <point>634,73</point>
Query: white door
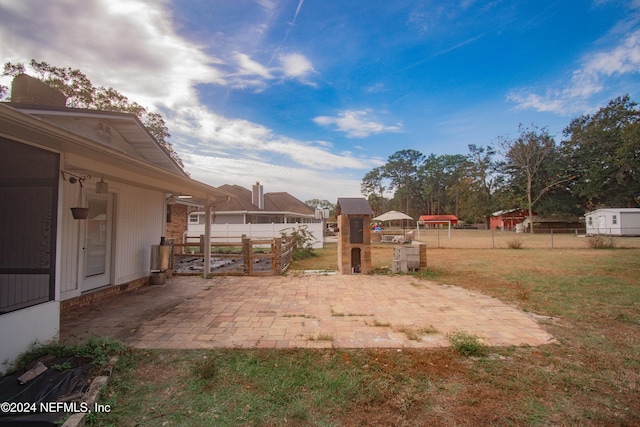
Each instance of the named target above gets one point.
<point>602,225</point>
<point>96,242</point>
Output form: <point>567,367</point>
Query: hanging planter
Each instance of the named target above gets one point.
<point>80,212</point>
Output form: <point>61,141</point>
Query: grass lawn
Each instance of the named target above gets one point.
<point>589,299</point>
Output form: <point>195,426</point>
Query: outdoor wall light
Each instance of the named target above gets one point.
<point>102,187</point>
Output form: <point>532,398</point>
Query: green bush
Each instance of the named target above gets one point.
<point>303,242</point>
<point>467,344</point>
<point>98,349</point>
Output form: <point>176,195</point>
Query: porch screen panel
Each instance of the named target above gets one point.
<point>29,192</point>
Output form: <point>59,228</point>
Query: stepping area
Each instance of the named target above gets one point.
<point>304,311</point>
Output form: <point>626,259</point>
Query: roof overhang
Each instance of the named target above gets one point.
<point>84,156</point>
<point>260,213</point>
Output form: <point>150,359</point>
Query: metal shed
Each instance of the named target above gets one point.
<point>614,222</point>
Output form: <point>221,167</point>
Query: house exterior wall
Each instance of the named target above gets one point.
<point>138,223</point>
<point>21,329</point>
<point>177,227</point>
<point>507,222</point>
<point>137,212</point>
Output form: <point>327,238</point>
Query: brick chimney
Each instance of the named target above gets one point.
<point>29,90</point>
<point>257,195</point>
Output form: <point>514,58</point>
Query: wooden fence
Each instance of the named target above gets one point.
<point>248,257</point>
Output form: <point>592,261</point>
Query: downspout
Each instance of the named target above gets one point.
<point>184,240</point>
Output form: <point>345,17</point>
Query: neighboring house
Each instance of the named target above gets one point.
<point>256,215</point>
<point>435,221</point>
<point>178,211</point>
<point>508,219</point>
<point>614,221</point>
<point>50,261</point>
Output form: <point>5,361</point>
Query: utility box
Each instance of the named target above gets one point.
<point>160,264</point>
<point>409,258</point>
<point>160,257</point>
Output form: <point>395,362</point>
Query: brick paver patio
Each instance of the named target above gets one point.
<point>315,311</point>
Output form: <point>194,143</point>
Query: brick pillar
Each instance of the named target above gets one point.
<point>422,250</point>
<point>366,247</point>
<point>276,254</point>
<point>246,254</point>
<point>344,254</point>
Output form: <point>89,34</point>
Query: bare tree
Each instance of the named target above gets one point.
<point>81,93</point>
<point>525,157</point>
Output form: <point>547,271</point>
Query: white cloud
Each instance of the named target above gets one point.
<point>624,58</point>
<point>236,137</point>
<point>267,4</point>
<point>585,82</point>
<point>302,183</point>
<point>140,38</point>
<point>357,123</point>
<point>251,67</point>
<point>110,43</point>
<point>295,65</point>
<point>375,88</point>
<point>133,46</point>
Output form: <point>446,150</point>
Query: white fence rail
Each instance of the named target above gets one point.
<point>232,233</point>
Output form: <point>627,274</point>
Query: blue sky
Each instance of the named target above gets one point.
<point>306,96</point>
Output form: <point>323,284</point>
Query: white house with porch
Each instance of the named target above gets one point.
<point>58,158</point>
<point>257,215</point>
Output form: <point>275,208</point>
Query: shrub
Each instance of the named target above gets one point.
<point>467,344</point>
<point>515,244</point>
<point>303,242</point>
<point>98,349</point>
<point>206,368</point>
<point>601,242</point>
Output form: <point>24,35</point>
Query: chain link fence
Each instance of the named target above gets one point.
<point>558,239</point>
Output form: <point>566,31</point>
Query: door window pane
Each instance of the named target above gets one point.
<point>96,237</point>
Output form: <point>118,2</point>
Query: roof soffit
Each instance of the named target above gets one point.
<point>86,155</point>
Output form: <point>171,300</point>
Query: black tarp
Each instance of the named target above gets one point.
<point>64,377</point>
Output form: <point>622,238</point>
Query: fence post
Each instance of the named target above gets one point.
<point>246,255</point>
<point>493,240</point>
<point>202,244</point>
<point>276,256</point>
<point>552,238</point>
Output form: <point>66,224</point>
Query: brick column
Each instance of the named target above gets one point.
<point>246,254</point>
<point>276,253</point>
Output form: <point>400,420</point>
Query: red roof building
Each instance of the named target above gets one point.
<point>508,219</point>
<point>433,221</point>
